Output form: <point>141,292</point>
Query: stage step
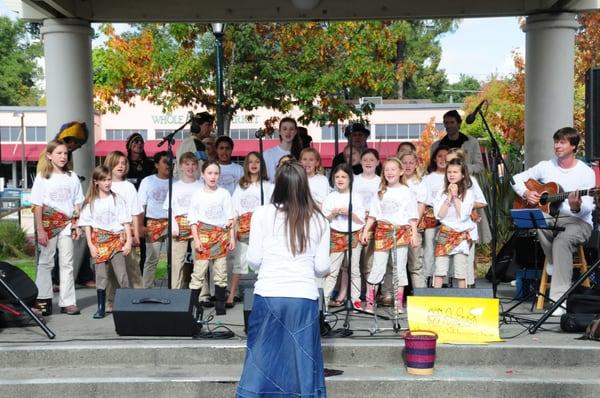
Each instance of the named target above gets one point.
<point>372,368</point>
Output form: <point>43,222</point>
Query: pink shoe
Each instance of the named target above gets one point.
<point>357,304</point>
<point>370,298</point>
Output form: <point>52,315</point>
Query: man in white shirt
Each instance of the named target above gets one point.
<point>575,213</point>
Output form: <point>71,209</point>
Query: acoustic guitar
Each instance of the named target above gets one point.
<point>551,196</point>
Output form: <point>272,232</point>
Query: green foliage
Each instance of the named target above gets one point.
<point>13,241</point>
<point>315,66</point>
<point>19,71</point>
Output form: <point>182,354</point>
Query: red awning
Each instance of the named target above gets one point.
<point>12,152</point>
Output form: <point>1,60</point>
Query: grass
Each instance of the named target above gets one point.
<point>28,266</point>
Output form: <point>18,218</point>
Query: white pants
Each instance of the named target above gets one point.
<point>429,252</point>
<point>43,279</point>
<point>237,258</point>
<point>380,262</point>
<point>336,262</point>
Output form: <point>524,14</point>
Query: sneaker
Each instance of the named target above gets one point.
<point>560,311</point>
<point>357,304</point>
<point>70,310</point>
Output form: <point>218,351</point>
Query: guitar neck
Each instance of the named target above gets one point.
<point>559,197</point>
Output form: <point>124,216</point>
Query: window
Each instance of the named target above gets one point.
<point>10,133</point>
<point>242,134</point>
<point>160,134</point>
<point>123,134</point>
<point>400,131</point>
<point>328,133</point>
<point>35,134</point>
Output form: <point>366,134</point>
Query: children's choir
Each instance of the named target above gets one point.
<point>402,223</point>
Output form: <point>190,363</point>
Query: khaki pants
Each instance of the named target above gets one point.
<point>132,266</point>
<point>117,263</point>
<point>415,266</point>
<point>179,249</point>
<point>336,260</point>
<point>218,270</point>
<point>559,251</point>
<point>152,253</point>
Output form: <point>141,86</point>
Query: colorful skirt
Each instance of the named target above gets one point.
<point>384,236</point>
<point>185,231</point>
<point>243,228</point>
<point>156,228</point>
<point>53,221</point>
<point>284,356</point>
<point>107,243</point>
<point>214,241</point>
<point>427,220</point>
<point>449,239</point>
<point>339,241</point>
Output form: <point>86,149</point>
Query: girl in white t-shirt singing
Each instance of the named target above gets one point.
<point>317,182</point>
<point>395,210</point>
<point>246,198</point>
<point>453,208</point>
<point>289,143</point>
<point>212,219</point>
<point>434,183</point>
<point>335,208</point>
<point>107,222</point>
<point>56,197</point>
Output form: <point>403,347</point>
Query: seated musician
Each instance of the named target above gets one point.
<point>575,212</point>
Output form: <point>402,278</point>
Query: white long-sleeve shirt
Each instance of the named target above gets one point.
<point>280,273</point>
<point>576,178</point>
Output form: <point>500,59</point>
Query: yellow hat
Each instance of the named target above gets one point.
<point>73,130</point>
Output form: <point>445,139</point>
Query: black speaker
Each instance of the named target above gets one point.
<point>19,282</point>
<point>154,312</point>
<point>592,114</point>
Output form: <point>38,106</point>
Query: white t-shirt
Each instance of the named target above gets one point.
<point>366,189</point>
<point>182,197</point>
<point>272,157</point>
<point>211,207</point>
<point>418,189</point>
<point>398,206</point>
<point>60,191</point>
<point>127,192</point>
<point>336,200</point>
<point>434,183</point>
<point>576,178</point>
<point>108,213</point>
<point>152,194</point>
<point>247,200</point>
<point>230,176</point>
<point>458,222</point>
<point>281,274</point>
<point>319,188</point>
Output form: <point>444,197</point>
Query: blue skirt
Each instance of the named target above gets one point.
<point>283,356</point>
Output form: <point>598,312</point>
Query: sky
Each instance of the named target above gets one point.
<point>479,47</point>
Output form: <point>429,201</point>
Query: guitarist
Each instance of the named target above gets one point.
<point>575,214</point>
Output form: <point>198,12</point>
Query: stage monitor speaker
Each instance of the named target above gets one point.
<point>19,282</point>
<point>477,293</point>
<point>592,114</point>
<point>154,312</point>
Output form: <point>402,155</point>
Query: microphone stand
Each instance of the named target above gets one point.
<point>260,134</point>
<point>170,140</point>
<point>497,159</point>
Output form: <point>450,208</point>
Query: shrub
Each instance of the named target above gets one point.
<point>13,241</point>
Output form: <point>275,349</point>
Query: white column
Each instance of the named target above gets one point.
<point>68,57</point>
<point>549,85</point>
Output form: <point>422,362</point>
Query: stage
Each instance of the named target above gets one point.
<point>88,359</point>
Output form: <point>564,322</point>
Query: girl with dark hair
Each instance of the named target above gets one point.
<point>453,208</point>
<point>140,166</point>
<point>434,183</point>
<point>107,222</point>
<point>289,247</point>
<point>335,208</point>
<point>289,143</point>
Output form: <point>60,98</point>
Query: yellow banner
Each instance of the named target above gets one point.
<point>460,320</point>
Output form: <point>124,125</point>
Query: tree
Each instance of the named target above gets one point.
<point>322,68</point>
<point>19,71</point>
<point>457,92</point>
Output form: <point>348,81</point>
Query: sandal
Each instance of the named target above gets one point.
<point>336,303</point>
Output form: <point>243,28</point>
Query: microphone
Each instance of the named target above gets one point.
<point>471,117</point>
<point>260,133</point>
